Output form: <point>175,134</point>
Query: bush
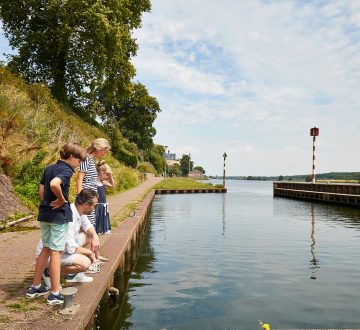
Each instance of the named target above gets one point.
<point>126,157</point>
<point>27,178</point>
<point>146,167</point>
<point>126,179</point>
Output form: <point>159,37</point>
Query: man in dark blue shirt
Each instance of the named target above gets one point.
<point>54,216</point>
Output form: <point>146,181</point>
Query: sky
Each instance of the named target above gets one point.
<point>250,78</point>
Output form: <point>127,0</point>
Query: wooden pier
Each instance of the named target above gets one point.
<point>190,191</point>
<point>335,193</point>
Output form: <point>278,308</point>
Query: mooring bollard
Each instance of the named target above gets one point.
<point>69,308</point>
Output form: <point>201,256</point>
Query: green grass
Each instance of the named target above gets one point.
<point>5,318</point>
<point>181,183</point>
<point>23,305</point>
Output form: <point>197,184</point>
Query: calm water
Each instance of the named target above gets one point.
<point>223,261</point>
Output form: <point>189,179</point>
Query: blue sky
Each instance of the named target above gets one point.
<point>250,78</point>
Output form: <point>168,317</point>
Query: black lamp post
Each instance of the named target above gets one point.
<point>165,160</point>
<point>224,155</point>
<point>189,164</point>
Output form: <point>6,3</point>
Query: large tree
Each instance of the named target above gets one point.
<point>154,155</point>
<point>135,115</point>
<point>80,48</point>
<point>186,165</point>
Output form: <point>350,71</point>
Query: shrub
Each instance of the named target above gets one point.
<point>126,179</point>
<point>126,157</point>
<point>27,178</point>
<point>146,167</point>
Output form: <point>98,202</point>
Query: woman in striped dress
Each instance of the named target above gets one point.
<point>88,175</point>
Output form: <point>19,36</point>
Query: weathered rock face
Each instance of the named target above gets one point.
<point>9,203</point>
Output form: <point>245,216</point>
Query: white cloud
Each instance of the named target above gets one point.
<point>257,72</point>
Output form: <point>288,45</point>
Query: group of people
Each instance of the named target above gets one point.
<point>69,243</point>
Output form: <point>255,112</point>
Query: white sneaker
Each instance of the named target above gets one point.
<point>98,262</point>
<point>78,278</point>
<point>93,269</point>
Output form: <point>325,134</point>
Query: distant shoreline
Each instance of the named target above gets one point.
<point>350,177</point>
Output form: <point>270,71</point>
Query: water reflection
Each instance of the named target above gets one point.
<point>222,261</point>
<point>116,313</point>
<point>223,214</point>
<point>314,263</point>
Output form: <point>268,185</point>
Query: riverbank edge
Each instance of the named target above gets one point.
<point>162,191</point>
<point>118,249</point>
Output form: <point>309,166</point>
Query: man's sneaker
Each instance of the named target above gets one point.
<point>32,292</point>
<point>93,269</point>
<point>55,299</point>
<point>78,278</point>
<point>98,262</point>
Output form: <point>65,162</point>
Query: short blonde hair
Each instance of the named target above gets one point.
<point>98,144</point>
<point>101,166</point>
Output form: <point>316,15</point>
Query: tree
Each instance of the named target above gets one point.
<point>81,49</point>
<point>154,155</point>
<point>185,166</point>
<point>174,170</point>
<point>200,169</point>
<point>135,115</point>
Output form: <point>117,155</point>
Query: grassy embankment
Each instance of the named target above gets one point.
<point>182,183</point>
<point>33,127</point>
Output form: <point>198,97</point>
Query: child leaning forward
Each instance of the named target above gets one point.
<point>54,216</point>
<point>105,179</point>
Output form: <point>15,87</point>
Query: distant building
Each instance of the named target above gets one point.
<point>195,174</point>
<point>172,162</point>
<point>169,156</point>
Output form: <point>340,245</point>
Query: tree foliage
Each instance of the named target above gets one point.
<point>80,48</point>
<point>135,115</point>
<point>186,165</point>
<point>174,170</point>
<point>154,155</point>
<point>200,169</point>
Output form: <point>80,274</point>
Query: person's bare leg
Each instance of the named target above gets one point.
<point>41,263</point>
<point>80,264</point>
<point>54,269</point>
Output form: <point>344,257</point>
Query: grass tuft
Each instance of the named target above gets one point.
<point>23,305</point>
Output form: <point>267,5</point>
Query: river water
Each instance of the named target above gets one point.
<point>223,261</point>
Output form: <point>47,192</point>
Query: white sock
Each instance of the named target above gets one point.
<point>37,286</point>
<point>55,293</point>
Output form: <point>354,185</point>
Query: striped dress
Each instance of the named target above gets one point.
<point>90,179</point>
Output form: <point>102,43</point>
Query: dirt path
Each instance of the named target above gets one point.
<point>17,263</point>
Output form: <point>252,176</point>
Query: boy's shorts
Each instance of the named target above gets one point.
<point>54,235</point>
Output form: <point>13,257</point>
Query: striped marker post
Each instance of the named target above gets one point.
<point>314,132</point>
